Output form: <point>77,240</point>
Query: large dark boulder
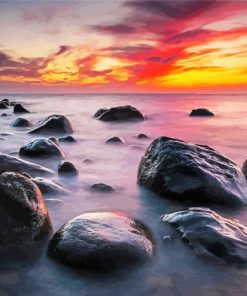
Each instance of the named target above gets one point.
<point>14,164</point>
<point>102,241</point>
<point>24,218</point>
<point>18,108</point>
<point>210,234</point>
<point>48,187</point>
<point>21,122</point>
<point>53,124</point>
<point>122,113</point>
<point>190,172</point>
<point>201,112</point>
<point>41,147</point>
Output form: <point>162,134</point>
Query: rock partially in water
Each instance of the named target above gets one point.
<point>190,172</point>
<point>201,112</point>
<point>244,169</point>
<point>67,168</point>
<point>4,115</point>
<point>211,234</point>
<point>41,147</point>
<point>18,108</point>
<point>24,217</point>
<point>54,140</point>
<point>3,105</point>
<point>87,161</point>
<point>54,124</point>
<point>17,165</point>
<point>121,113</point>
<point>142,136</point>
<point>67,139</point>
<point>115,140</point>
<point>5,101</point>
<point>102,241</point>
<point>49,187</point>
<point>101,187</point>
<point>21,122</point>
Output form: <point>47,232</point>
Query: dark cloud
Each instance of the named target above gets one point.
<point>63,49</point>
<point>153,59</point>
<point>190,34</point>
<point>177,9</point>
<point>171,59</point>
<point>115,29</point>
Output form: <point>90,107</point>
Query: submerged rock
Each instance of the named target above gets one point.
<point>87,161</point>
<point>3,105</point>
<point>66,167</point>
<point>122,113</point>
<point>24,217</point>
<point>15,164</point>
<point>67,139</point>
<point>41,147</point>
<point>102,241</point>
<point>142,136</point>
<point>211,234</point>
<point>101,187</point>
<point>54,123</point>
<point>49,187</point>
<point>18,108</point>
<point>21,122</point>
<point>201,112</point>
<point>115,140</point>
<point>191,172</point>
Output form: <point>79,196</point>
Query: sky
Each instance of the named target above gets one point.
<point>104,46</point>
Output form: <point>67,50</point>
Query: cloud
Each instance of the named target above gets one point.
<point>115,29</point>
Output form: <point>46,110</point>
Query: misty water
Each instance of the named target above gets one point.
<point>175,269</point>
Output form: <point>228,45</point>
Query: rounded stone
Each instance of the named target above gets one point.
<point>67,168</point>
<point>101,187</point>
<point>21,122</point>
<point>201,112</point>
<point>18,108</point>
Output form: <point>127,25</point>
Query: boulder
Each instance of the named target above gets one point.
<point>21,122</point>
<point>142,136</point>
<point>18,108</point>
<point>210,234</point>
<point>244,169</point>
<point>201,112</point>
<point>3,105</point>
<point>66,167</point>
<point>24,217</point>
<point>41,147</point>
<point>101,187</point>
<point>190,172</point>
<point>53,124</point>
<point>67,139</point>
<point>15,164</point>
<point>122,113</point>
<point>115,140</point>
<point>102,241</point>
<point>49,187</point>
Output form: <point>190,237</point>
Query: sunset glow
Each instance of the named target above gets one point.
<point>123,45</point>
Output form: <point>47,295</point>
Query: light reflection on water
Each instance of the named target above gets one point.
<point>175,270</point>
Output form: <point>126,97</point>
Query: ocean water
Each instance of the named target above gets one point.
<point>175,270</point>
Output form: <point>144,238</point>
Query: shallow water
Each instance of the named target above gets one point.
<point>175,270</point>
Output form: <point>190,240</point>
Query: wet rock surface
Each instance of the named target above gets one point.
<point>47,186</point>
<point>18,108</point>
<point>67,139</point>
<point>21,122</point>
<point>101,187</point>
<point>3,105</point>
<point>121,113</point>
<point>54,124</point>
<point>190,172</point>
<point>41,147</point>
<point>102,241</point>
<point>115,140</point>
<point>201,112</point>
<point>211,234</point>
<point>15,164</point>
<point>4,115</point>
<point>23,214</point>
<point>67,168</point>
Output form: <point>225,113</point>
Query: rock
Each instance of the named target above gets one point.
<point>142,136</point>
<point>190,172</point>
<point>21,122</point>
<point>5,101</point>
<point>4,115</point>
<point>3,105</point>
<point>115,140</point>
<point>244,169</point>
<point>6,134</point>
<point>14,164</point>
<point>18,108</point>
<point>66,167</point>
<point>49,187</point>
<point>102,241</point>
<point>87,160</point>
<point>201,112</point>
<point>41,147</point>
<point>24,217</point>
<point>211,234</point>
<point>101,187</point>
<point>54,123</point>
<point>67,139</point>
<point>13,103</point>
<point>122,113</point>
<point>54,140</point>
